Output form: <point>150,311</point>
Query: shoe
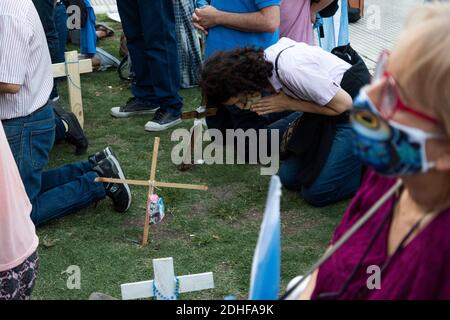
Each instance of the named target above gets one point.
<point>119,193</point>
<point>162,120</point>
<point>134,106</point>
<point>101,155</point>
<point>75,134</point>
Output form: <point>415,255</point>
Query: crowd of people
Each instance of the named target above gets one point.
<point>344,133</point>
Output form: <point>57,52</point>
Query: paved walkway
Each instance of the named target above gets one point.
<point>369,40</point>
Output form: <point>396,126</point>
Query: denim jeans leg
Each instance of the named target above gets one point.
<point>60,17</point>
<point>341,176</point>
<point>60,129</point>
<point>339,179</point>
<point>67,199</point>
<point>31,139</point>
<point>59,176</point>
<point>161,52</point>
<point>141,86</point>
<point>289,171</point>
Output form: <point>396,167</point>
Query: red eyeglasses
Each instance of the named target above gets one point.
<point>391,101</point>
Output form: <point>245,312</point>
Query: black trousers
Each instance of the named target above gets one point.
<point>45,9</point>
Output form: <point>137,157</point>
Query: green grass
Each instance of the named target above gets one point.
<point>214,231</point>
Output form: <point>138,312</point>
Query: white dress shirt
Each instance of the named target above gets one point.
<point>306,72</point>
<point>24,59</point>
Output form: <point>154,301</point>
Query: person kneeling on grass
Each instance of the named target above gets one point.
<point>316,87</point>
<point>18,239</point>
<point>26,81</point>
<point>402,131</point>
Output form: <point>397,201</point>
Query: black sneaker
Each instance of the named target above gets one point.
<point>162,120</point>
<point>133,107</point>
<point>119,193</point>
<point>75,134</point>
<point>101,155</point>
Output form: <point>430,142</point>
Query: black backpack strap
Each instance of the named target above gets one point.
<point>277,72</point>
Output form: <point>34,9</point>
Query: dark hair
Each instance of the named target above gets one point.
<point>229,74</point>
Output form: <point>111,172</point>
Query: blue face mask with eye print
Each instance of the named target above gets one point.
<point>390,148</point>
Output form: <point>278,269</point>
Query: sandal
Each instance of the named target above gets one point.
<point>105,28</point>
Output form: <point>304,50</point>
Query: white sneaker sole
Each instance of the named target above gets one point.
<point>122,177</point>
<point>115,112</point>
<point>154,127</point>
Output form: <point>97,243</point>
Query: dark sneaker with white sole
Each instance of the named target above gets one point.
<point>101,155</point>
<point>133,107</point>
<point>162,120</point>
<point>119,193</point>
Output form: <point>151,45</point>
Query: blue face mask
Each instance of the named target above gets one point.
<point>388,147</point>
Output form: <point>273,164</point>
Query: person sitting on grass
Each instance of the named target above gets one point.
<point>300,82</point>
<point>402,131</point>
<point>26,81</point>
<point>18,239</point>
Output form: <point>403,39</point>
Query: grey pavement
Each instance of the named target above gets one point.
<point>380,27</point>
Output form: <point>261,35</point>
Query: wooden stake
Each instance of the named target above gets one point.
<point>156,184</point>
<point>150,190</point>
<point>74,85</point>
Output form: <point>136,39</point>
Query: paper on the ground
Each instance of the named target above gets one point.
<point>265,278</point>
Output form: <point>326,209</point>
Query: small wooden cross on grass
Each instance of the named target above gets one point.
<point>152,184</point>
<point>166,286</point>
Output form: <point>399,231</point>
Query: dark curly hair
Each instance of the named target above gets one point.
<point>232,73</point>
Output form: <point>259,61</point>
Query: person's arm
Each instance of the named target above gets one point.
<point>14,54</point>
<point>9,88</point>
<point>339,104</point>
<point>265,20</point>
<point>309,290</point>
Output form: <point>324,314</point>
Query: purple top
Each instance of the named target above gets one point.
<point>296,21</point>
<point>420,271</point>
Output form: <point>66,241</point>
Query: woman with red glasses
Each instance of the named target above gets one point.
<point>401,129</point>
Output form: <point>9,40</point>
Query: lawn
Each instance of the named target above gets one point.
<point>213,231</point>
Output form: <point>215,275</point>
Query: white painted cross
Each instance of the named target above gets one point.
<point>165,283</point>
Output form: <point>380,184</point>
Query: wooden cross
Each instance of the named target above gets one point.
<point>165,283</point>
<point>198,115</point>
<point>152,184</point>
<point>72,68</point>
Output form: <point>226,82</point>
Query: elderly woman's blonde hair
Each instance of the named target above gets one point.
<point>424,48</point>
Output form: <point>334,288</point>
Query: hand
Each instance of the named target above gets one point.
<point>206,17</point>
<point>197,25</point>
<point>313,17</point>
<point>276,103</point>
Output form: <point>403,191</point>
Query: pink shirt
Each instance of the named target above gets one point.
<point>18,239</point>
<point>296,21</point>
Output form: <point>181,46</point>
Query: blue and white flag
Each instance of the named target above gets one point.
<point>265,278</point>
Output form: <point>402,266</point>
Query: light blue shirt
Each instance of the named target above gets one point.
<point>223,39</point>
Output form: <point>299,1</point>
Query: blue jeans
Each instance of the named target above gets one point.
<point>54,193</point>
<point>151,39</point>
<point>340,178</point>
<point>60,17</point>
